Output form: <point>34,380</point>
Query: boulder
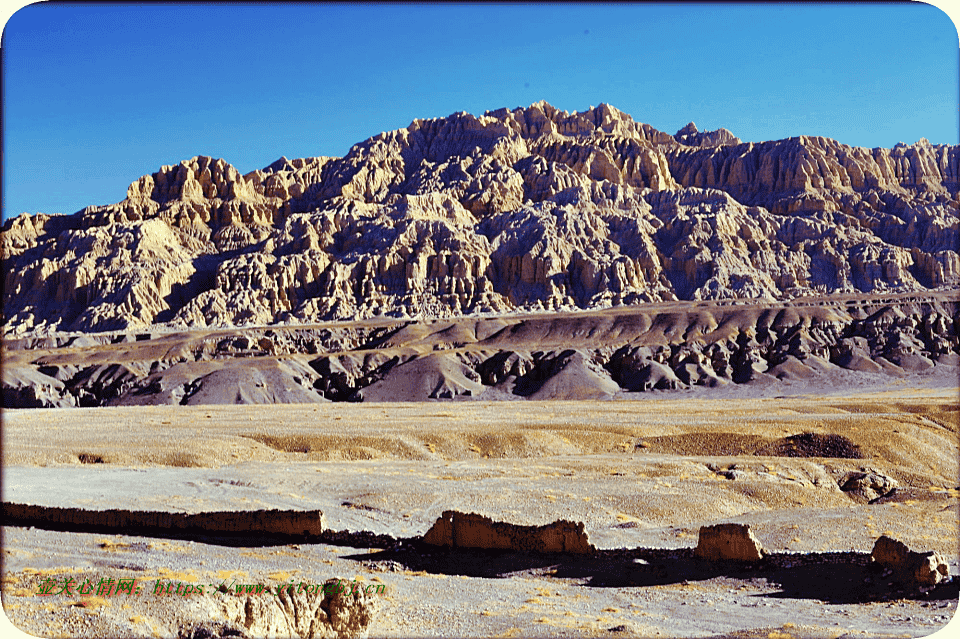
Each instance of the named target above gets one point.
<point>867,485</point>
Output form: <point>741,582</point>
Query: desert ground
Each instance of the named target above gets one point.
<point>642,476</point>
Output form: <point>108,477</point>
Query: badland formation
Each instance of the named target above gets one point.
<point>454,251</point>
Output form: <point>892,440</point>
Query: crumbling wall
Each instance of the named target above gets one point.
<point>242,522</point>
<point>923,569</point>
<point>470,530</point>
<point>730,542</point>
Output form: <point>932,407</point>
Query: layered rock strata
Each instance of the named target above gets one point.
<point>515,210</point>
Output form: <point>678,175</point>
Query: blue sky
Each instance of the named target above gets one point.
<point>97,95</point>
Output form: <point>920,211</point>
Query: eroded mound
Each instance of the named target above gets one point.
<point>813,445</point>
<point>332,611</point>
<point>563,356</point>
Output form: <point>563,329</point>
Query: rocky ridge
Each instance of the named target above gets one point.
<point>515,210</point>
<point>595,355</point>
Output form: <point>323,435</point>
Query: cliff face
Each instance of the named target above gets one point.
<point>527,209</point>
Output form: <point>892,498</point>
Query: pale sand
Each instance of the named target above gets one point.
<point>638,474</point>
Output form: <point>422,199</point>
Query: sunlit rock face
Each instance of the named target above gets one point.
<point>515,210</point>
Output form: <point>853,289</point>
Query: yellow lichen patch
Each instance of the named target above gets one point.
<point>418,573</point>
<point>280,576</point>
<point>169,547</point>
<point>166,573</point>
<point>230,574</point>
<point>610,609</point>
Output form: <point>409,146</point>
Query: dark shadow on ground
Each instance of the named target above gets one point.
<point>253,539</point>
<point>833,578</point>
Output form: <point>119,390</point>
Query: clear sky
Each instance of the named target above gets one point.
<point>95,96</point>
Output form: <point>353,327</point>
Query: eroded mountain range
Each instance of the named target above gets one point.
<point>516,210</point>
<point>409,269</point>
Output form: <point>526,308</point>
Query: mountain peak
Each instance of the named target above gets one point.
<point>515,210</point>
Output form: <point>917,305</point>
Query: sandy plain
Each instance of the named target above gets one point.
<point>642,476</point>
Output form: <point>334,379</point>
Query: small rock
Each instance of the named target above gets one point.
<point>210,630</point>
